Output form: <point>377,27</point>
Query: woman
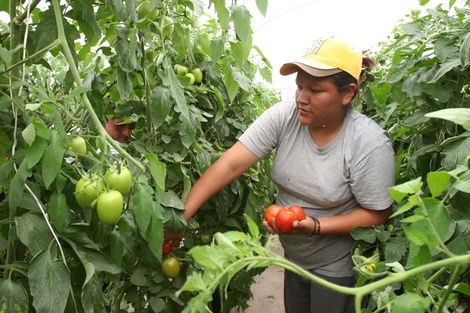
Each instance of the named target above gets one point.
<point>335,162</point>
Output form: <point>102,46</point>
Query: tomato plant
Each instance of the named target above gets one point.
<point>284,220</point>
<point>298,211</point>
<point>271,212</point>
<point>109,206</point>
<point>78,144</point>
<point>119,178</point>
<point>67,67</point>
<point>171,267</point>
<point>87,191</point>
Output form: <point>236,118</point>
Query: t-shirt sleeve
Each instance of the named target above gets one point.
<point>263,135</point>
<point>373,176</point>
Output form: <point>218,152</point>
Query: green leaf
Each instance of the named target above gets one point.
<point>242,23</point>
<point>161,103</point>
<point>460,116</point>
<point>399,192</point>
<point>262,6</point>
<point>222,13</point>
<point>206,256</point>
<point>33,232</point>
<point>57,210</point>
<point>463,183</point>
<point>53,156</point>
<point>29,134</point>
<point>13,297</point>
<point>34,153</point>
<point>17,186</point>
<point>254,230</point>
<point>83,13</point>
<point>49,283</point>
<point>366,234</point>
<point>92,296</point>
<point>437,182</point>
<point>142,204</point>
<point>138,278</point>
<point>154,233</point>
<point>187,132</point>
<point>410,303</point>
<point>158,171</point>
<point>217,48</point>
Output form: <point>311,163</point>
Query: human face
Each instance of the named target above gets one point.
<point>319,102</point>
<point>120,133</point>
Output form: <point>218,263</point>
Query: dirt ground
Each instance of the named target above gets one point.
<point>267,290</point>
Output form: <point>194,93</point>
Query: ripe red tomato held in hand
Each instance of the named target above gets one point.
<point>299,211</point>
<point>284,219</point>
<point>271,212</point>
<point>109,206</point>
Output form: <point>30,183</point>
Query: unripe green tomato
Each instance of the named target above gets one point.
<point>168,27</point>
<point>87,191</point>
<point>181,70</point>
<point>109,206</point>
<point>197,75</point>
<point>119,179</point>
<point>154,14</point>
<point>78,144</point>
<point>149,55</point>
<point>171,267</point>
<point>191,78</point>
<point>206,238</point>
<point>143,9</point>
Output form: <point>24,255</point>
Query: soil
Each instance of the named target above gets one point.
<point>267,290</point>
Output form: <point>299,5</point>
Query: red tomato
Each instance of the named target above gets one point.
<point>284,219</point>
<point>167,248</point>
<point>299,211</point>
<point>271,212</point>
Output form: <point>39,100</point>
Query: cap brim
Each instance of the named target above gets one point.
<point>319,71</point>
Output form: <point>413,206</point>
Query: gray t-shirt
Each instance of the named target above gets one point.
<point>355,169</point>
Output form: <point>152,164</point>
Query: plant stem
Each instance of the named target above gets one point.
<point>85,102</point>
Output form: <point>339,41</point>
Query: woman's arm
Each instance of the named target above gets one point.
<point>231,165</point>
<point>339,224</point>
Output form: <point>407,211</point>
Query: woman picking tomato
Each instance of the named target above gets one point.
<point>332,160</point>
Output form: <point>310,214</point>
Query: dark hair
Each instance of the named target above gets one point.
<point>343,79</point>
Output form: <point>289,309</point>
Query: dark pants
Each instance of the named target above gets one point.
<point>302,295</point>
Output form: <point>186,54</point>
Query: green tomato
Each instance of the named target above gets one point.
<point>87,191</point>
<point>150,55</point>
<point>143,10</point>
<point>206,238</point>
<point>78,144</point>
<point>197,75</point>
<point>181,70</point>
<point>109,206</point>
<point>171,267</point>
<point>154,14</point>
<point>191,78</point>
<point>168,27</point>
<point>119,178</point>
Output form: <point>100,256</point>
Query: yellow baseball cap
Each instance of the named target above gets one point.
<point>327,56</point>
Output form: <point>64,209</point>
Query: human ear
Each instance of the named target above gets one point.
<point>349,94</point>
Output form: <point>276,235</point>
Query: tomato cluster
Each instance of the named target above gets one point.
<point>105,193</point>
<point>282,218</point>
